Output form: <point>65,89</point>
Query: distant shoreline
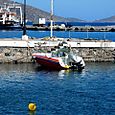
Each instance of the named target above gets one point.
<point>74,28</point>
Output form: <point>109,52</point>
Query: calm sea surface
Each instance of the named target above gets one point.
<point>91,92</point>
<point>65,34</point>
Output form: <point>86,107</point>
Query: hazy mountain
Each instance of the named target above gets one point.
<point>109,19</point>
<point>34,13</point>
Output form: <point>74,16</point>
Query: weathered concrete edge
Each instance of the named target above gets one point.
<point>55,42</point>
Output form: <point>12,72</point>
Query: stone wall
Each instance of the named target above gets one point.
<point>24,55</point>
<point>15,55</point>
<point>97,54</point>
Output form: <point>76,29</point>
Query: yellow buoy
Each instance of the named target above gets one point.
<point>32,106</point>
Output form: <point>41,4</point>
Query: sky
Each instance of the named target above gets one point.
<point>89,10</point>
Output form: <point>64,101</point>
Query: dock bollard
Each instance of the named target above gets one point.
<point>32,106</point>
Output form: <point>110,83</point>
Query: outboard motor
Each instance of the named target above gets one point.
<point>77,61</point>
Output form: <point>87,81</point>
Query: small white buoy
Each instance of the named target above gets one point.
<point>32,106</point>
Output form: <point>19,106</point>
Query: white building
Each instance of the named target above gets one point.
<point>42,21</point>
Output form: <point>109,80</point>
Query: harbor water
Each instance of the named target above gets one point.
<point>90,92</point>
<point>63,34</point>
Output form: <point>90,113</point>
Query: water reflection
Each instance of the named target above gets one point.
<point>32,112</point>
<point>16,67</point>
<point>73,73</point>
<point>60,74</point>
<point>63,73</point>
<point>31,71</point>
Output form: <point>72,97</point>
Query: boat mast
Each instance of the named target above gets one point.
<point>24,26</point>
<point>21,22</point>
<point>51,19</point>
<point>24,36</point>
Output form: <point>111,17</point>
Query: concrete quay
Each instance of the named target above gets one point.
<point>74,42</point>
<point>20,51</point>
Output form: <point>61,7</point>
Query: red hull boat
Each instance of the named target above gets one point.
<point>59,59</point>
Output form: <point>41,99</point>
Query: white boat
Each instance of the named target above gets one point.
<point>9,18</point>
<point>62,57</point>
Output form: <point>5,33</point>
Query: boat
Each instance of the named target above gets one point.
<point>62,57</point>
<point>9,18</point>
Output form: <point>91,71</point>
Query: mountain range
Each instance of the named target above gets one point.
<point>33,14</point>
<point>108,19</point>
